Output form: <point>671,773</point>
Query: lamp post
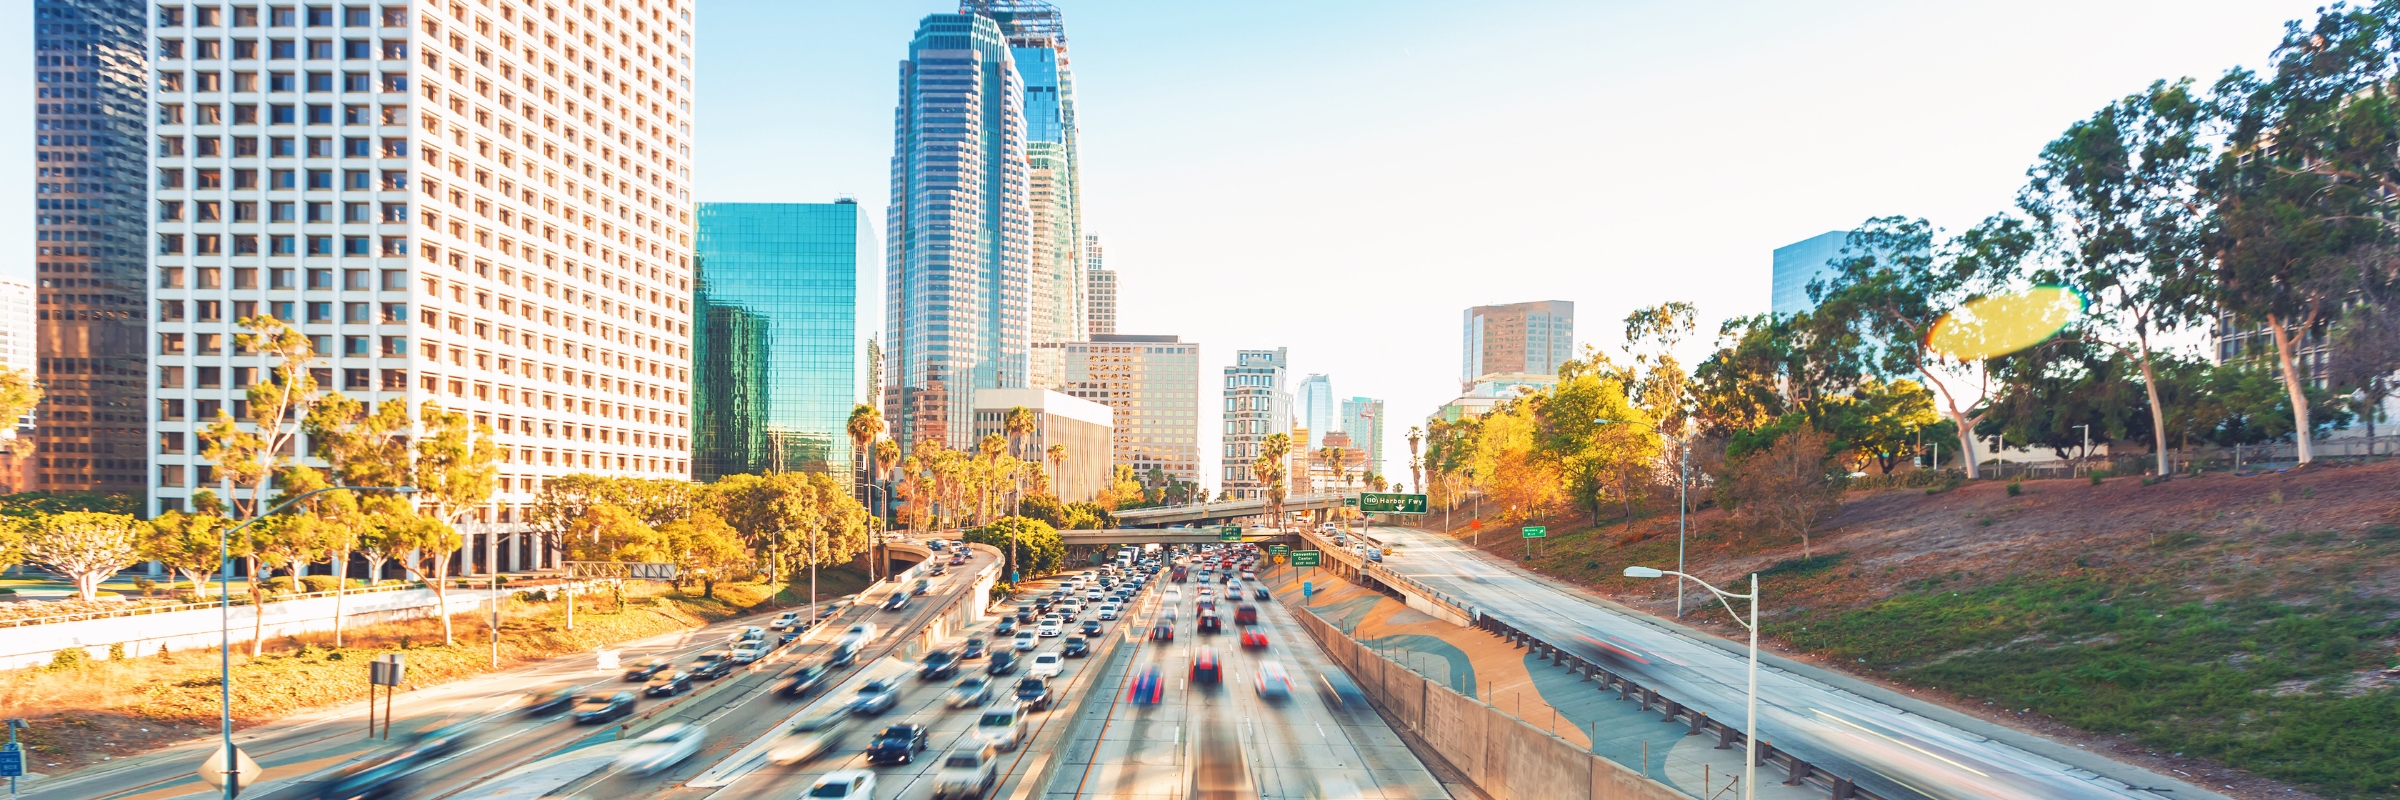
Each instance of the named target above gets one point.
<point>1750,714</point>
<point>225,618</point>
<point>2087,442</point>
<point>1683,488</point>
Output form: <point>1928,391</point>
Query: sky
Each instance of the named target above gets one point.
<point>1345,178</point>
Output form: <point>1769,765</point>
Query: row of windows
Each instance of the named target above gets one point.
<point>247,211</point>
<point>283,16</point>
<point>320,49</point>
<point>212,244</point>
<point>283,147</point>
<point>205,81</point>
<point>282,114</point>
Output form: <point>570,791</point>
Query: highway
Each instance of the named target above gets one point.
<point>1885,750</point>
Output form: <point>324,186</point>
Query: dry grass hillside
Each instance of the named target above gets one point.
<point>2244,631</point>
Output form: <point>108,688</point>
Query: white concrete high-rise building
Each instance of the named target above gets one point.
<point>16,326</point>
<point>1152,386</point>
<point>1101,297</point>
<point>484,205</point>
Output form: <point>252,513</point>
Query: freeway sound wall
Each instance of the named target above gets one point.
<point>1506,757</point>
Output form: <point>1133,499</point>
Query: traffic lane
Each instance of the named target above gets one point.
<point>1312,749</point>
<point>1894,753</point>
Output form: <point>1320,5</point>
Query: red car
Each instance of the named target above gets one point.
<point>1252,637</point>
<point>1146,688</point>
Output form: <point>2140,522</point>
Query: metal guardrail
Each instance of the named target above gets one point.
<point>1729,735</point>
<point>1387,576</point>
<point>238,599</point>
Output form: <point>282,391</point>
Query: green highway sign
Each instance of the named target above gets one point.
<point>1278,549</point>
<point>1387,503</point>
<point>1306,558</point>
<point>1349,502</point>
<point>1229,533</point>
<point>1536,532</point>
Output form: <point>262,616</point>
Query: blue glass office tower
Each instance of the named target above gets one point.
<point>91,138</point>
<point>775,361</point>
<point>958,255</point>
<point>1800,262</point>
<point>1037,42</point>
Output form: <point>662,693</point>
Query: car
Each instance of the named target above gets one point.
<point>922,587</point>
<point>747,652</point>
<point>1007,626</point>
<point>1003,662</point>
<point>896,602</point>
<point>967,773</point>
<point>1247,575</point>
<point>958,559</point>
<point>593,709</point>
<point>1174,595</point>
<point>1206,669</point>
<point>662,747</point>
<point>786,620</point>
<point>1034,693</point>
<point>1091,594</point>
<point>1260,593</point>
<point>1051,627</point>
<point>974,648</point>
<point>936,545</point>
<point>1108,611</point>
<point>1274,684</point>
<point>1146,687</point>
<point>938,665</point>
<point>1207,622</point>
<point>1001,726</point>
<point>1090,627</point>
<point>857,635</point>
<point>1339,692</point>
<point>550,700</point>
<point>936,569</point>
<point>747,633</point>
<point>1075,647</point>
<point>1024,641</point>
<point>806,739</point>
<point>712,665</point>
<point>804,681</point>
<point>897,744</point>
<point>669,685</point>
<point>969,692</point>
<point>1046,665</point>
<point>1254,638</point>
<point>645,670</point>
<point>1164,631</point>
<point>1024,615</point>
<point>843,655</point>
<point>875,697</point>
<point>849,784</point>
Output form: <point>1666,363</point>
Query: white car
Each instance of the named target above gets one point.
<point>807,739</point>
<point>1249,576</point>
<point>1001,726</point>
<point>967,772</point>
<point>1046,665</point>
<point>1108,611</point>
<point>1051,626</point>
<point>849,784</point>
<point>748,632</point>
<point>1174,595</point>
<point>971,691</point>
<point>857,634</point>
<point>1092,595</point>
<point>662,748</point>
<point>749,651</point>
<point>786,621</point>
<point>1024,641</point>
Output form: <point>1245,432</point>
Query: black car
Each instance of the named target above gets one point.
<point>1076,647</point>
<point>598,708</point>
<point>1034,693</point>
<point>669,685</point>
<point>804,681</point>
<point>1260,593</point>
<point>550,701</point>
<point>647,670</point>
<point>1091,627</point>
<point>974,648</point>
<point>897,601</point>
<point>874,698</point>
<point>711,666</point>
<point>1007,627</point>
<point>938,665</point>
<point>843,656</point>
<point>898,744</point>
<point>1024,616</point>
<point>1003,663</point>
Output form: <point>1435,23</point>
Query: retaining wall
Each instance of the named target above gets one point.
<point>142,634</point>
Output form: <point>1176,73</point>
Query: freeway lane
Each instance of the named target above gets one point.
<point>1890,752</point>
<point>1287,749</point>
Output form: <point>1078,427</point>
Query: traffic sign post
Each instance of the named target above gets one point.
<point>243,772</point>
<point>1535,532</point>
<point>12,759</point>
<point>1307,558</point>
<point>1229,533</point>
<point>1278,549</point>
<point>1390,503</point>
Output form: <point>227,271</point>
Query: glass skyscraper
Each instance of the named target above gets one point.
<point>776,354</point>
<point>1316,409</point>
<point>1800,262</point>
<point>959,231</point>
<point>1037,42</point>
<point>91,138</point>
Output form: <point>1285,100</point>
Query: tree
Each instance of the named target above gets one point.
<point>1662,388</point>
<point>563,501</point>
<point>20,394</point>
<point>1509,467</point>
<point>1332,456</point>
<point>608,532</point>
<point>187,542</point>
<point>1590,432</point>
<point>1121,486</point>
<point>1274,454</point>
<point>1789,486</point>
<point>1882,420</point>
<point>455,474</point>
<point>1038,546</point>
<point>2052,396</point>
<point>1057,454</point>
<point>704,545</point>
<point>430,541</point>
<point>770,512</point>
<point>2365,358</point>
<point>247,457</point>
<point>1020,424</point>
<point>2115,199</point>
<point>85,546</point>
<point>866,424</point>
<point>1896,282</point>
<point>1416,465</point>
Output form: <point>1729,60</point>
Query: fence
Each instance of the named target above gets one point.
<point>241,598</point>
<point>2209,459</point>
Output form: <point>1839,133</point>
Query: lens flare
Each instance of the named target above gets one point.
<point>2003,324</point>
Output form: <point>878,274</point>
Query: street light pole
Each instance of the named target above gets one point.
<point>1750,713</point>
<point>225,618</point>
<point>1683,490</point>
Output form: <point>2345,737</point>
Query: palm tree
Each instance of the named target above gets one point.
<point>865,425</point>
<point>1416,466</point>
<point>1271,459</point>
<point>1332,456</point>
<point>1058,467</point>
<point>1020,425</point>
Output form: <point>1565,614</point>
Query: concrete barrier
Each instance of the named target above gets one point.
<point>143,634</point>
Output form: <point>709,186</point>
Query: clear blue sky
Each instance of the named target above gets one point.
<point>1343,178</point>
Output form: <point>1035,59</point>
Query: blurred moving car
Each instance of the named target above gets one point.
<point>662,747</point>
<point>669,685</point>
<point>1164,631</point>
<point>785,620</point>
<point>897,744</point>
<point>967,773</point>
<point>711,666</point>
<point>1206,670</point>
<point>748,651</point>
<point>807,739</point>
<point>938,665</point>
<point>857,635</point>
<point>875,697</point>
<point>1274,684</point>
<point>804,681</point>
<point>1254,638</point>
<point>1034,694</point>
<point>1003,662</point>
<point>1025,640</point>
<point>969,692</point>
<point>896,602</point>
<point>1001,726</point>
<point>598,708</point>
<point>1339,692</point>
<point>1146,687</point>
<point>849,784</point>
<point>1046,665</point>
<point>549,700</point>
<point>1076,647</point>
<point>646,669</point>
<point>975,648</point>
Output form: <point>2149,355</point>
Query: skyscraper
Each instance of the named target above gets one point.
<point>959,254</point>
<point>1800,262</point>
<point>1362,418</point>
<point>1258,404</point>
<point>1151,384</point>
<point>483,205</point>
<point>1037,42</point>
<point>1317,409</point>
<point>91,159</point>
<point>775,359</point>
<point>1101,297</point>
<point>1519,337</point>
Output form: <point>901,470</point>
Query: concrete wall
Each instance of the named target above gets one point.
<point>142,634</point>
<point>1507,758</point>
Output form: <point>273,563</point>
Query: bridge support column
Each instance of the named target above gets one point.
<point>1699,720</point>
<point>1668,708</point>
<point>1843,789</point>
<point>1798,774</point>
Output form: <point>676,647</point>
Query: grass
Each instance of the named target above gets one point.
<point>2260,685</point>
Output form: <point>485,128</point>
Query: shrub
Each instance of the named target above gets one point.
<point>321,583</point>
<point>2098,475</point>
<point>279,584</point>
<point>2016,487</point>
<point>69,659</point>
<point>116,652</point>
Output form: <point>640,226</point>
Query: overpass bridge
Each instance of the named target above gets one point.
<point>1226,510</point>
